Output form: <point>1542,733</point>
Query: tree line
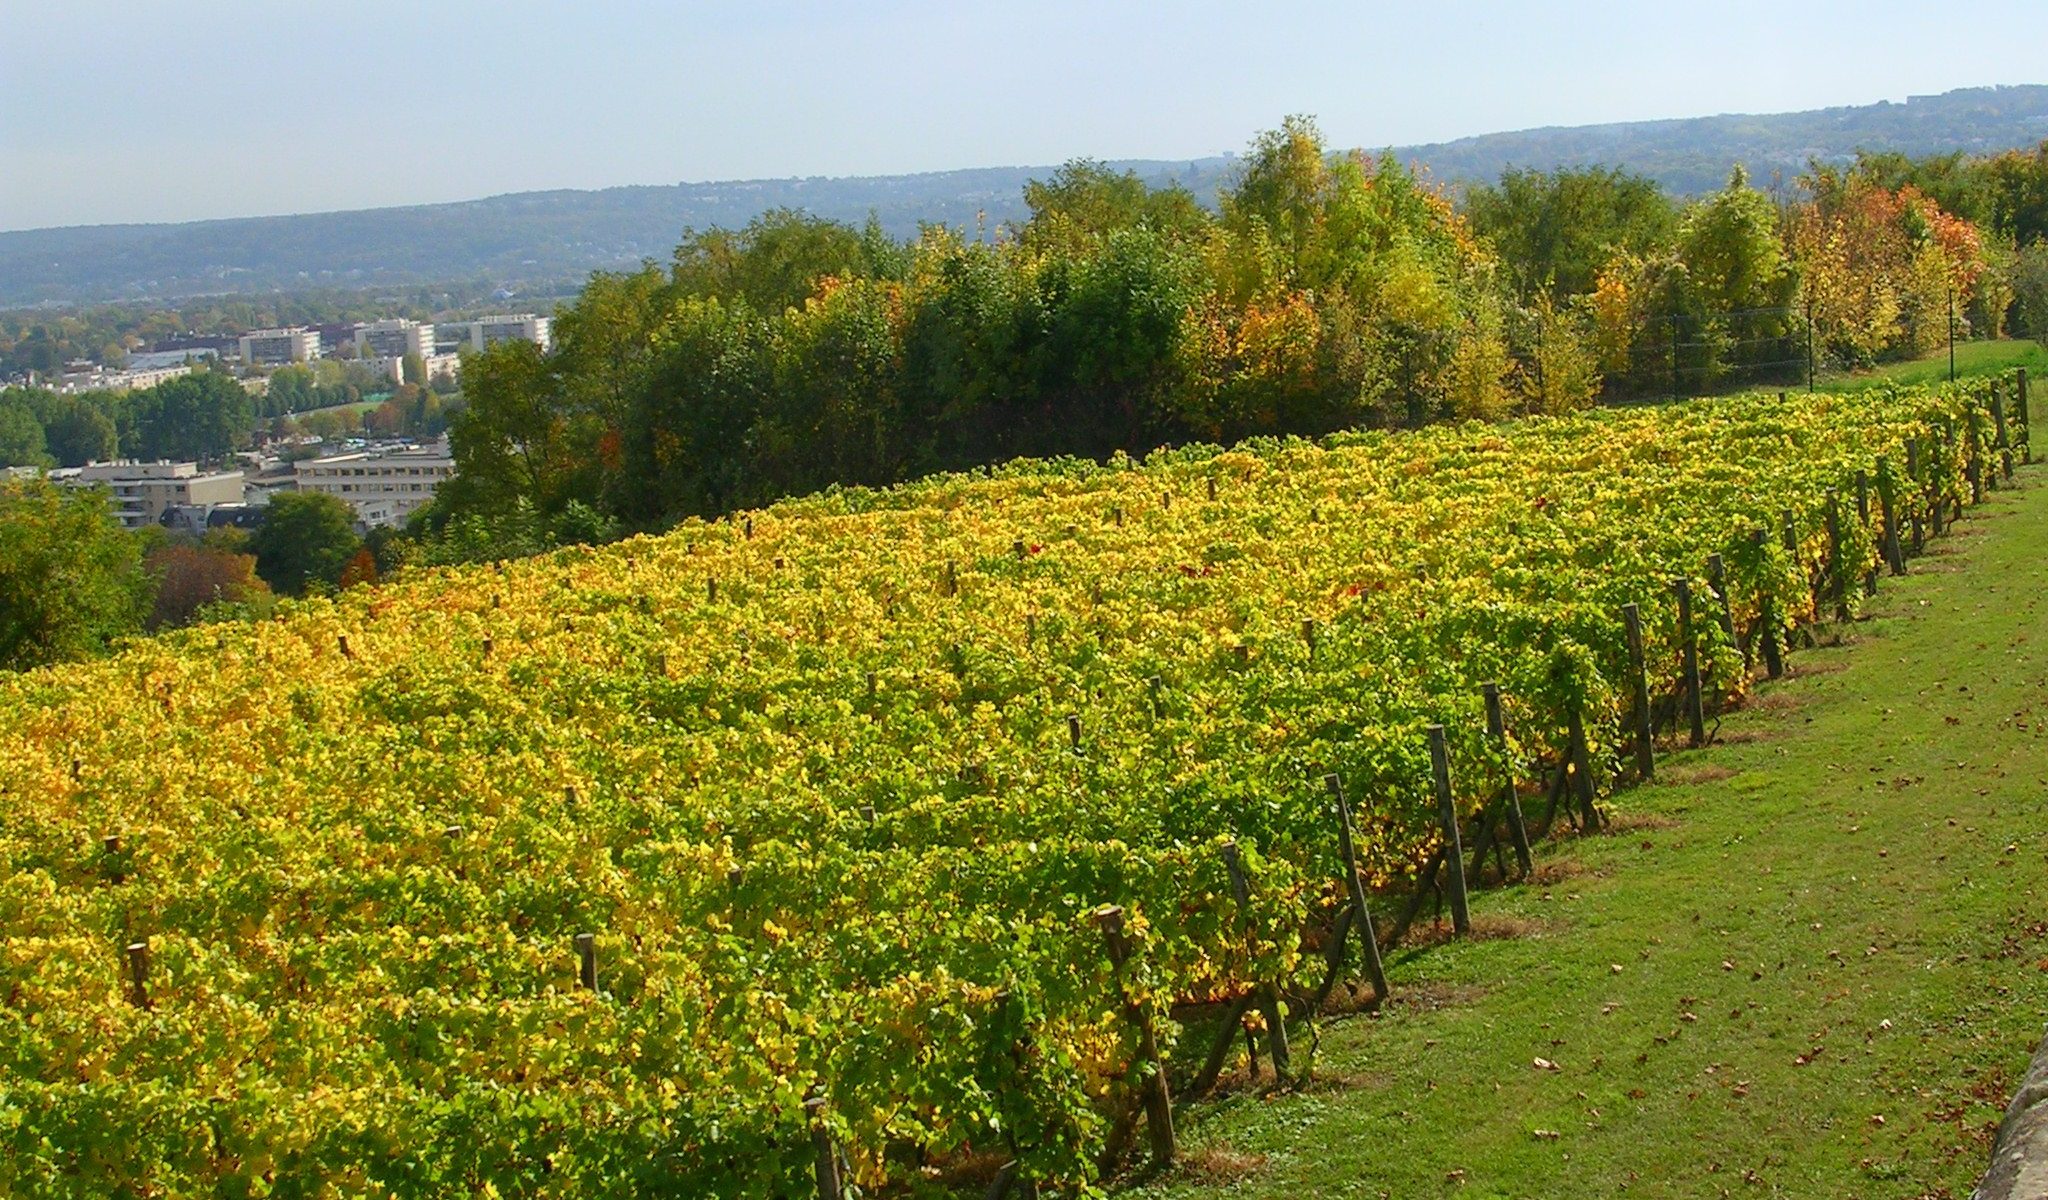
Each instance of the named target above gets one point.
<point>1320,291</point>
<point>208,414</point>
<point>74,583</point>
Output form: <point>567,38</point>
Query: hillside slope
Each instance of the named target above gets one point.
<point>554,237</point>
<point>580,874</point>
<point>1811,961</point>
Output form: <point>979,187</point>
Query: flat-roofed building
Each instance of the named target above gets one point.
<point>144,492</point>
<point>382,486</point>
<point>395,339</point>
<point>99,379</point>
<point>486,332</point>
<point>278,346</point>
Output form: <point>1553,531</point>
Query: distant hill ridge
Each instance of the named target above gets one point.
<point>554,236</point>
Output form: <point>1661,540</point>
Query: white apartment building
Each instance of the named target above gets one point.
<point>382,486</point>
<point>143,492</point>
<point>99,379</point>
<point>525,327</point>
<point>395,338</point>
<point>277,346</point>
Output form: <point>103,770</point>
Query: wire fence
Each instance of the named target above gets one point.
<point>1676,355</point>
<point>1680,355</point>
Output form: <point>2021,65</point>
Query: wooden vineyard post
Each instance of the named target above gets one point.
<point>1158,1103</point>
<point>1767,618</point>
<point>1362,918</point>
<point>1838,566</point>
<point>1581,760</point>
<point>1789,535</point>
<point>2025,418</point>
<point>586,961</point>
<point>112,866</point>
<point>2004,434</point>
<point>1269,997</point>
<point>1695,711</point>
<point>1863,522</point>
<point>1937,500</point>
<point>1308,635</point>
<point>1639,686</point>
<point>824,1153</point>
<point>1511,804</point>
<point>1717,578</point>
<point>1447,814</point>
<point>138,973</point>
<point>1894,555</point>
<point>1973,464</point>
<point>1913,477</point>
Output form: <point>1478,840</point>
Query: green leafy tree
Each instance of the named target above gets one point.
<point>22,443</point>
<point>305,542</point>
<point>775,263</point>
<point>1085,202</point>
<point>2030,292</point>
<point>81,433</point>
<point>200,416</point>
<point>512,443</point>
<point>71,579</point>
<point>1557,230</point>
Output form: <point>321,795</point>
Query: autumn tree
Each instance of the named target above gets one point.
<point>71,579</point>
<point>191,577</point>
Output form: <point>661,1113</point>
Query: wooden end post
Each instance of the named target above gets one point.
<point>2025,418</point>
<point>1767,619</point>
<point>1639,685</point>
<point>1913,508</point>
<point>1447,815</point>
<point>586,961</point>
<point>1695,711</point>
<point>824,1153</point>
<point>1158,1102</point>
<point>1894,555</point>
<point>1838,561</point>
<point>1269,997</point>
<point>1717,578</point>
<point>1581,762</point>
<point>138,973</point>
<point>1511,802</point>
<point>1348,850</point>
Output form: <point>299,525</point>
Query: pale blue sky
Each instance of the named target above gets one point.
<point>182,109</point>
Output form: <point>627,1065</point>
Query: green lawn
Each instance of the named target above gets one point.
<point>1972,358</point>
<point>1813,960</point>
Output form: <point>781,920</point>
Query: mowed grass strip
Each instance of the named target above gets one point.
<point>1811,960</point>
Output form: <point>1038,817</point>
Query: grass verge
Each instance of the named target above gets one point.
<point>1812,960</point>
<point>1972,359</point>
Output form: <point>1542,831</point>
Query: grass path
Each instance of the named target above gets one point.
<point>1812,962</point>
<point>1972,359</point>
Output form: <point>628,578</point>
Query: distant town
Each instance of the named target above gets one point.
<point>382,480</point>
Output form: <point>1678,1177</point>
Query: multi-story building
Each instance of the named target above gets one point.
<point>99,379</point>
<point>143,492</point>
<point>277,346</point>
<point>382,486</point>
<point>395,338</point>
<point>489,331</point>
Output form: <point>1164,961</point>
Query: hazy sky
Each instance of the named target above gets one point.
<point>163,110</point>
